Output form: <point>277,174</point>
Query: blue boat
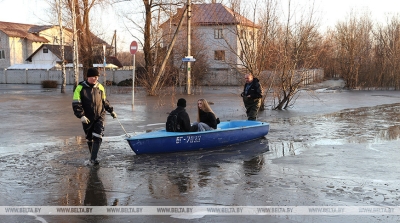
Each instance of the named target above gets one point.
<point>227,133</point>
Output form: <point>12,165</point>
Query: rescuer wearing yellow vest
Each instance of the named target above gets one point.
<point>90,105</point>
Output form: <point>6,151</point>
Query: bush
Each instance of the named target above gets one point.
<point>126,82</point>
<point>110,83</point>
<point>49,84</point>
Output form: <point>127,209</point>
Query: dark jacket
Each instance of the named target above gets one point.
<point>208,118</point>
<point>254,90</point>
<point>183,119</point>
<point>90,101</point>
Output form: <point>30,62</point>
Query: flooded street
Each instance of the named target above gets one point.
<point>332,148</point>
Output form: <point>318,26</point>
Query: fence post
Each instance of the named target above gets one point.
<point>113,75</point>
<point>26,76</point>
<point>5,75</point>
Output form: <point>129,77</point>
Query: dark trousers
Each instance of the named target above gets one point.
<point>94,132</point>
<point>252,107</point>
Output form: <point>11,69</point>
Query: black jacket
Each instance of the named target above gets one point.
<point>90,101</point>
<point>254,91</point>
<point>208,118</point>
<point>183,119</point>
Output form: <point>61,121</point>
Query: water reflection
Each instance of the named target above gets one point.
<point>175,175</point>
<point>181,180</point>
<point>95,194</point>
<point>391,133</point>
<point>253,166</point>
<point>204,174</point>
<point>168,184</point>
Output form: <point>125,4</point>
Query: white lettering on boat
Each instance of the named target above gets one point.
<point>188,139</point>
<point>193,139</point>
<point>179,139</point>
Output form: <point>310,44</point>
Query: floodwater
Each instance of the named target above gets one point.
<point>332,148</point>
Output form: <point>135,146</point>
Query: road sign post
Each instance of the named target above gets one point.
<point>133,49</point>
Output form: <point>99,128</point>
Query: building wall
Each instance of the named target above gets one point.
<point>53,35</point>
<point>17,52</point>
<point>44,58</point>
<point>4,45</point>
<point>227,44</point>
<point>19,49</point>
<point>203,38</point>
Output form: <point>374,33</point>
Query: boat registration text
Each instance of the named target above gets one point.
<point>188,139</point>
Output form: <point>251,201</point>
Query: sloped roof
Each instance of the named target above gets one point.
<point>21,31</point>
<point>109,60</point>
<point>37,29</point>
<point>31,32</point>
<point>213,14</point>
<point>56,50</point>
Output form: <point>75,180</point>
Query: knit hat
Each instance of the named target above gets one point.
<point>92,72</point>
<point>181,102</point>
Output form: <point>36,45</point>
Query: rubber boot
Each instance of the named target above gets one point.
<point>95,150</point>
<point>90,145</point>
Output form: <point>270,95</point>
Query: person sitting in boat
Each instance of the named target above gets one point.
<point>206,119</point>
<point>178,120</point>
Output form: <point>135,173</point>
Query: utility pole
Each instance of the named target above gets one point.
<point>189,15</point>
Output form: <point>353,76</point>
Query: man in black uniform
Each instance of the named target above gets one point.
<point>252,95</point>
<point>90,105</point>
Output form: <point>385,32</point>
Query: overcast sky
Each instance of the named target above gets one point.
<point>330,11</point>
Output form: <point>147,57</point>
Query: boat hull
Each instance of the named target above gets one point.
<point>228,133</point>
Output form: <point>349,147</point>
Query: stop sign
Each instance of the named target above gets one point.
<point>133,47</point>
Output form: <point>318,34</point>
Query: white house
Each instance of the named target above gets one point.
<point>216,33</point>
<point>26,46</point>
<point>19,41</point>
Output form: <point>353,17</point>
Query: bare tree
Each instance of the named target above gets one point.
<point>154,11</point>
<point>63,74</point>
<point>327,58</point>
<point>255,42</point>
<point>76,16</point>
<point>387,55</point>
<point>354,42</point>
<point>294,53</point>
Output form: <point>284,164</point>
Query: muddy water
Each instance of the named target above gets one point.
<point>319,153</point>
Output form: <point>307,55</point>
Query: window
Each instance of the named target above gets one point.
<point>218,34</point>
<point>55,39</point>
<point>2,55</point>
<point>219,55</point>
<point>45,50</point>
